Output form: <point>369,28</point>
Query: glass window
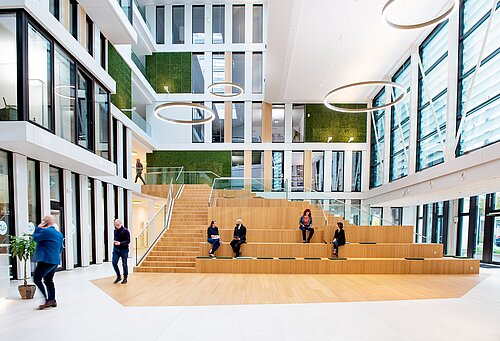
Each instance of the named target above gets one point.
<point>218,71</point>
<point>238,120</point>
<point>55,184</point>
<point>218,123</point>
<point>238,70</point>
<point>298,122</point>
<point>33,193</point>
<point>400,125</point>
<point>198,130</point>
<point>256,122</point>
<point>336,207</point>
<point>91,219</point>
<point>356,171</point>
<point>479,232</point>
<point>90,35</point>
<point>257,171</point>
<point>237,164</point>
<point>5,205</point>
<point>337,171</point>
<point>376,216</point>
<point>397,215</point>
<point>39,78</point>
<point>125,152</point>
<point>103,50</point>
<point>84,122</point>
<point>102,122</point>
<point>64,99</point>
<point>198,73</point>
<point>257,72</point>
<point>278,171</point>
<point>258,23</point>
<point>198,24</point>
<point>160,24</point>
<point>54,8</point>
<point>177,24</point>
<point>278,126</point>
<point>73,18</point>
<point>317,171</point>
<point>218,24</point>
<point>297,180</point>
<point>8,67</point>
<point>377,145</point>
<point>238,23</point>
<point>75,219</point>
<point>432,99</point>
<point>482,114</point>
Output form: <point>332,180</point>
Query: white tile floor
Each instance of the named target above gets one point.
<point>86,313</point>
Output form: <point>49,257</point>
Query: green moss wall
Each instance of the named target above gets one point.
<point>122,74</point>
<point>218,162</point>
<point>322,123</point>
<point>169,68</point>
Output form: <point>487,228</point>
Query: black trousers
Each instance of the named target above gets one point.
<point>139,176</point>
<point>236,245</point>
<point>311,233</point>
<point>45,271</point>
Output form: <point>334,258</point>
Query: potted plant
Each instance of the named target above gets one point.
<point>23,248</point>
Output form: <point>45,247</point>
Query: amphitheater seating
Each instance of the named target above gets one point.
<point>275,243</point>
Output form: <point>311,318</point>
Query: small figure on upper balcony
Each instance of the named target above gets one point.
<point>138,171</point>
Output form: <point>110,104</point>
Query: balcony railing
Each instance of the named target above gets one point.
<point>141,122</point>
<point>138,63</point>
<point>126,6</point>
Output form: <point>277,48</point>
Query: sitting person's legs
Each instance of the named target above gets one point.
<point>303,229</point>
<point>215,245</point>
<point>335,248</point>
<point>236,245</point>
<point>311,233</point>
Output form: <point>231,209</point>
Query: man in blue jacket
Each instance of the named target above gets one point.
<point>49,245</point>
<point>120,250</point>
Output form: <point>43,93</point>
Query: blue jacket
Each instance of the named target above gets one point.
<point>49,245</point>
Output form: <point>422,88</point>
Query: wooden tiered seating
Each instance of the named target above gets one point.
<point>275,243</point>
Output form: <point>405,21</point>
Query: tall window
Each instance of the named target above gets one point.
<point>54,8</point>
<point>177,24</point>
<point>8,67</point>
<point>482,114</point>
<point>198,24</point>
<point>400,126</point>
<point>5,205</point>
<point>257,170</point>
<point>297,180</point>
<point>39,78</point>
<point>278,124</point>
<point>73,18</point>
<point>84,121</point>
<point>237,166</point>
<point>218,24</point>
<point>298,123</point>
<point>91,220</point>
<point>238,70</point>
<point>337,171</point>
<point>356,171</point>
<point>317,171</point>
<point>432,98</point>
<point>75,220</point>
<point>397,215</point>
<point>198,131</point>
<point>218,71</point>
<point>256,122</point>
<point>377,143</point>
<point>198,73</point>
<point>33,192</point>
<point>160,24</point>
<point>102,122</point>
<point>238,122</point>
<point>257,72</point>
<point>89,25</point>
<point>258,23</point>
<point>103,44</point>
<point>64,99</point>
<point>218,123</point>
<point>463,227</point>
<point>278,171</point>
<point>238,24</point>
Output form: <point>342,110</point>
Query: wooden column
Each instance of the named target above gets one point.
<point>268,170</point>
<point>267,122</point>
<point>307,169</point>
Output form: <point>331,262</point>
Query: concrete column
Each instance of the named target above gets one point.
<point>413,104</point>
<point>168,25</point>
<point>68,219</point>
<point>387,137</point>
<point>287,168</point>
<point>451,104</point>
<point>121,211</point>
<point>44,188</point>
<point>129,161</point>
<point>327,181</point>
<point>20,185</point>
<point>365,170</point>
<point>208,24</point>
<point>99,221</point>
<point>348,171</point>
<point>307,170</point>
<point>110,218</point>
<point>119,148</point>
<point>188,24</point>
<point>228,13</point>
<point>288,123</point>
<point>85,219</point>
<point>248,23</point>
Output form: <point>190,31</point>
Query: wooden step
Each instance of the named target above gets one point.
<point>151,258</point>
<point>179,248</point>
<point>273,249</point>
<point>164,269</point>
<point>155,253</point>
<point>163,243</point>
<point>391,250</point>
<point>169,264</point>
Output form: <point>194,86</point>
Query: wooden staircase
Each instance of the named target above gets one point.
<point>177,249</point>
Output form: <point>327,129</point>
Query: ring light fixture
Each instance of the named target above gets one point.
<point>231,95</point>
<point>326,100</point>
<point>160,107</point>
<point>436,20</point>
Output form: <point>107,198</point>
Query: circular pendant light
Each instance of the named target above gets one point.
<point>160,107</point>
<point>326,100</point>
<point>224,95</point>
<point>436,20</point>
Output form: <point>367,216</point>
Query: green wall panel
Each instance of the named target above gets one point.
<point>122,74</point>
<point>169,68</point>
<point>321,123</point>
<point>218,162</point>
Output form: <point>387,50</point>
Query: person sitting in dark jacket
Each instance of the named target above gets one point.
<point>239,237</point>
<point>305,224</point>
<point>213,238</point>
<point>338,238</point>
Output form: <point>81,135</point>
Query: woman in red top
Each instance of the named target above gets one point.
<point>305,224</point>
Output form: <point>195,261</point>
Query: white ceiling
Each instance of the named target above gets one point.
<point>317,45</point>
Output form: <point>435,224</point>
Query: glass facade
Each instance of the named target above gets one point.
<point>297,178</point>
<point>257,170</point>
<point>481,123</point>
<point>177,24</point>
<point>198,73</point>
<point>278,124</point>
<point>238,122</point>
<point>34,208</point>
<point>278,170</point>
<point>75,220</point>
<point>160,24</point>
<point>238,70</point>
<point>102,122</point>
<point>356,171</point>
<point>298,123</point>
<point>258,24</point>
<point>237,165</point>
<point>218,24</point>
<point>433,95</point>
<point>256,122</point>
<point>198,23</point>
<point>257,72</point>
<point>377,141</point>
<point>400,126</point>
<point>238,24</point>
<point>218,123</point>
<point>317,171</point>
<point>337,171</point>
<point>8,67</point>
<point>84,105</point>
<point>198,131</point>
<point>64,99</point>
<point>218,72</point>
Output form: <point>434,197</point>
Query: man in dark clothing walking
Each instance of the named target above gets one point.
<point>239,237</point>
<point>49,245</point>
<point>138,171</point>
<point>120,249</point>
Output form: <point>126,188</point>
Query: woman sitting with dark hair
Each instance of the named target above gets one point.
<point>338,238</point>
<point>305,224</point>
<point>213,237</point>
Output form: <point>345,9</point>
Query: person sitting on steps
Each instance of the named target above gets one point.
<point>239,237</point>
<point>213,237</point>
<point>305,224</point>
<point>338,239</point>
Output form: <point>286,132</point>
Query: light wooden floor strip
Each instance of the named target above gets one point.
<point>144,289</point>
